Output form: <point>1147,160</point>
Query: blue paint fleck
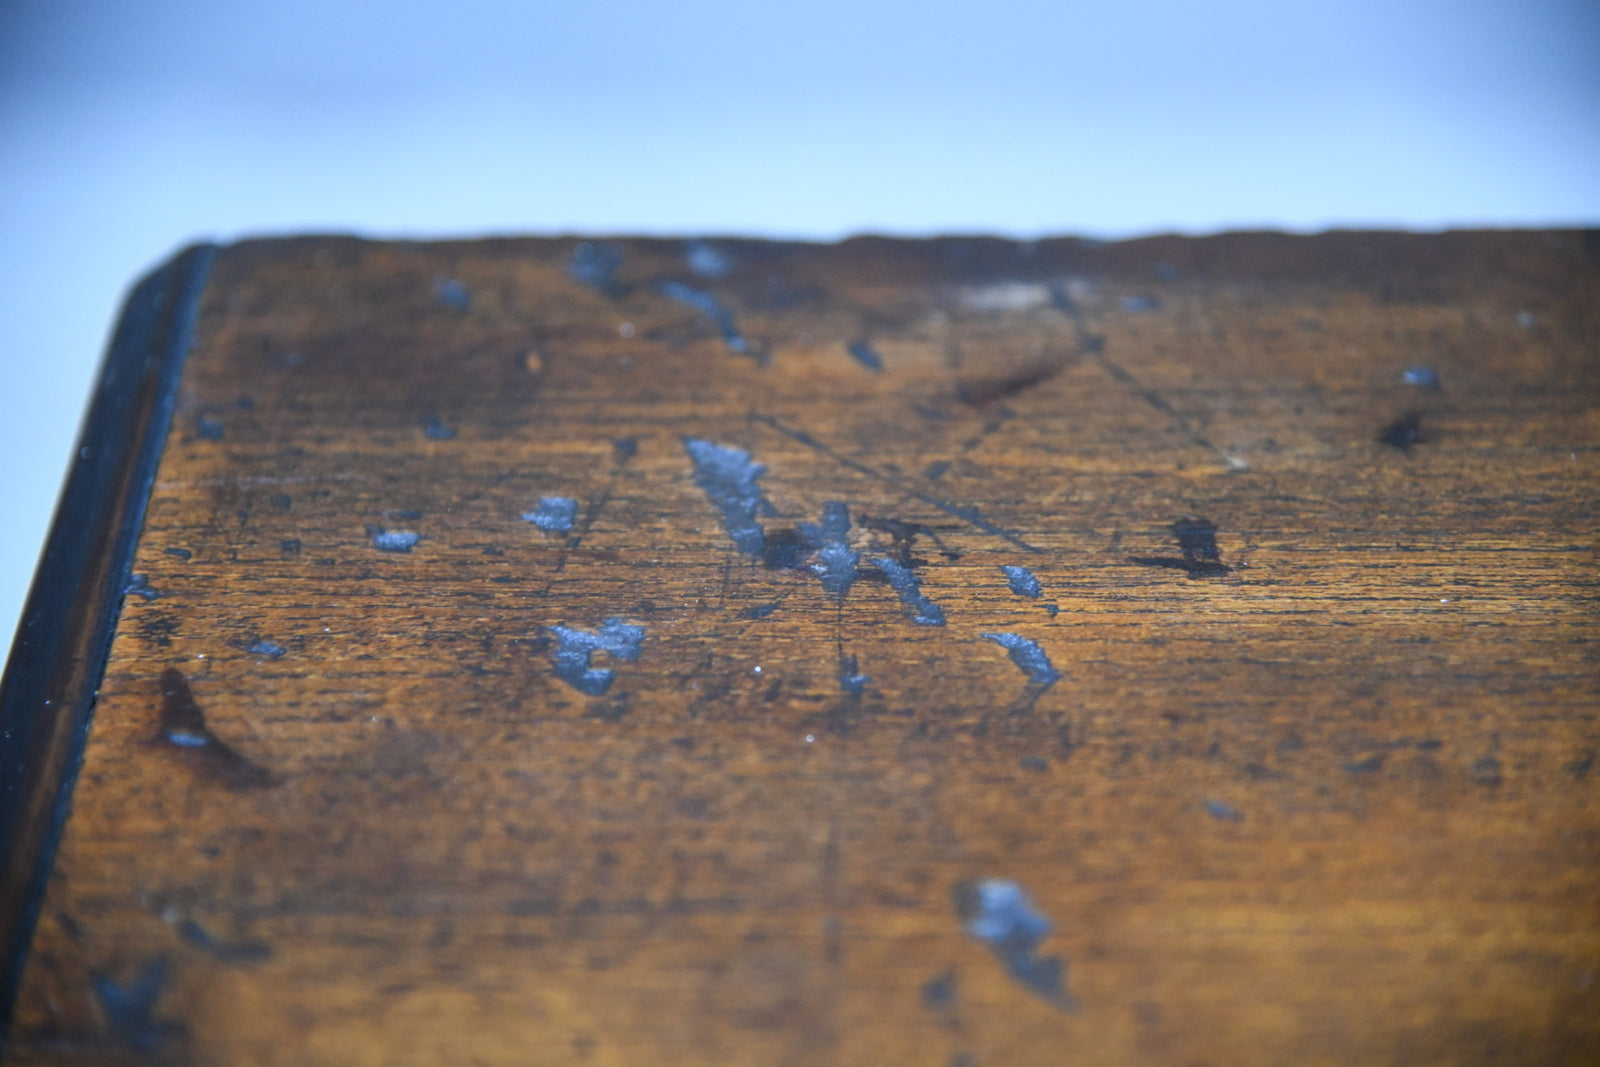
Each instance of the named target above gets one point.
<point>834,561</point>
<point>1140,303</point>
<point>850,678</point>
<point>712,308</point>
<point>452,294</point>
<point>616,638</point>
<point>1022,581</point>
<point>181,553</point>
<point>1052,610</point>
<point>393,540</point>
<point>761,611</point>
<point>1028,657</point>
<point>1423,377</point>
<point>1225,812</point>
<point>707,261</point>
<point>866,355</point>
<point>130,1012</point>
<point>267,648</point>
<point>555,514</point>
<point>728,478</point>
<point>595,265</point>
<point>208,428</point>
<point>435,430</point>
<point>998,912</point>
<point>918,608</point>
<point>139,586</point>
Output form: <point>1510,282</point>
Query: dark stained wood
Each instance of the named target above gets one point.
<point>1317,783</point>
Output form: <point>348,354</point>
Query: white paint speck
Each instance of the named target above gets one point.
<point>1444,600</point>
<point>756,669</point>
<point>626,329</point>
<point>810,738</point>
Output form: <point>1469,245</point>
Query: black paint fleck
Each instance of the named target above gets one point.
<point>1028,656</point>
<point>183,728</point>
<point>289,547</point>
<point>1403,432</point>
<point>574,648</point>
<point>998,912</point>
<point>281,502</point>
<point>1022,581</point>
<point>1034,763</point>
<point>1197,540</point>
<point>181,553</point>
<point>555,514</point>
<point>1486,771</point>
<point>393,540</point>
<point>728,478</point>
<point>918,608</point>
<point>939,994</point>
<point>761,611</point>
<point>864,354</point>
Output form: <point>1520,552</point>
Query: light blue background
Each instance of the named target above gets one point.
<point>128,129</point>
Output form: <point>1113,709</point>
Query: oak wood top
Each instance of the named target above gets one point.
<point>534,661</point>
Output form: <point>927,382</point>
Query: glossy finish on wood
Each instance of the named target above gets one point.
<point>756,753</point>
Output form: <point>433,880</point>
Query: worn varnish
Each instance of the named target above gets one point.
<point>578,653</point>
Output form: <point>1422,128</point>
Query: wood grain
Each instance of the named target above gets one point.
<point>1330,801</point>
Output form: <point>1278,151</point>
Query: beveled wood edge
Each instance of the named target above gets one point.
<point>58,656</point>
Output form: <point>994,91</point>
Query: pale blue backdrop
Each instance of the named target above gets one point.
<point>130,128</point>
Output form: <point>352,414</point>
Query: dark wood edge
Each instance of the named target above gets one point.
<point>53,675</point>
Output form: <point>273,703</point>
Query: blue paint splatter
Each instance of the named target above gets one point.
<point>728,477</point>
<point>1022,581</point>
<point>452,294</point>
<point>139,586</point>
<point>262,647</point>
<point>393,540</point>
<point>1423,377</point>
<point>706,261</point>
<point>555,514</point>
<point>918,608</point>
<point>850,678</point>
<point>130,1012</point>
<point>435,430</point>
<point>574,648</point>
<point>1028,657</point>
<point>834,561</point>
<point>998,912</point>
<point>595,265</point>
<point>866,355</point>
<point>1225,812</point>
<point>712,308</point>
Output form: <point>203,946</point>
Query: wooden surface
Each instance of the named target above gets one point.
<point>1325,795</point>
